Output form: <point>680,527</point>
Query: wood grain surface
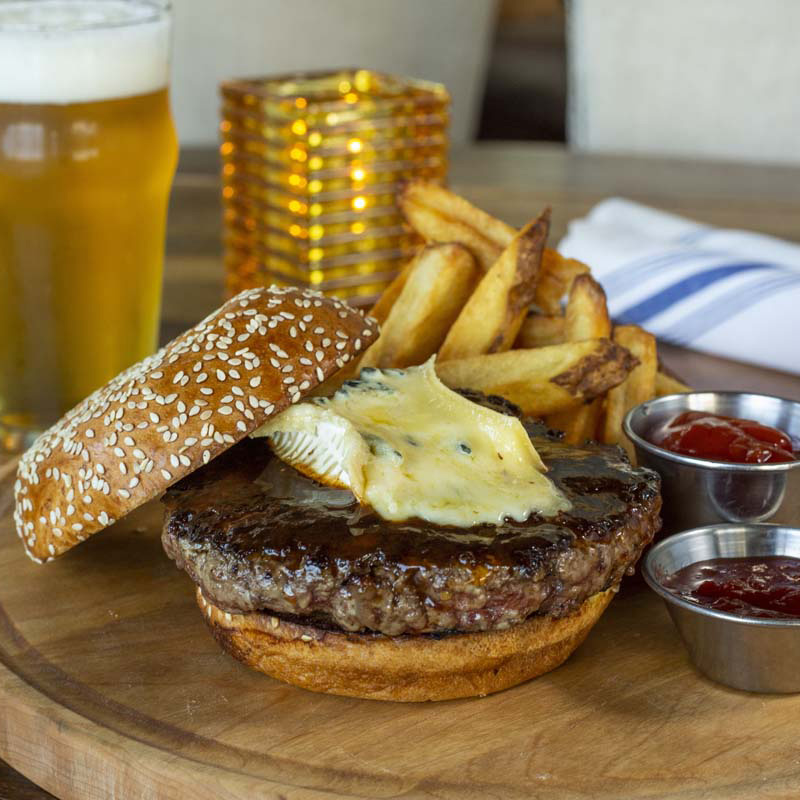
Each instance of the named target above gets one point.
<point>111,687</point>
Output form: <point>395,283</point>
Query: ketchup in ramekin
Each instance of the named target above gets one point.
<point>764,587</point>
<point>720,438</point>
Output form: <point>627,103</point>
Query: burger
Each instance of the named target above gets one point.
<point>391,539</point>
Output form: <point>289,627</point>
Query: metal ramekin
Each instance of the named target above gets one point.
<point>697,491</point>
<point>757,655</point>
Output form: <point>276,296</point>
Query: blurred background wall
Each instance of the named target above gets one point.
<point>705,78</point>
<point>697,78</point>
<point>441,40</point>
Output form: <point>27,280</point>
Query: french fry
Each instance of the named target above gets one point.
<point>438,282</point>
<point>579,424</point>
<point>493,315</point>
<point>380,311</point>
<point>540,330</point>
<point>586,317</point>
<point>639,386</point>
<point>435,227</point>
<point>458,209</point>
<point>543,380</point>
<point>555,280</point>
<point>666,384</point>
<point>440,215</point>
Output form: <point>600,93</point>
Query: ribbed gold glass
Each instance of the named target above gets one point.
<point>311,165</point>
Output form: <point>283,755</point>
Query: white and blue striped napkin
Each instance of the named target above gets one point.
<point>732,293</point>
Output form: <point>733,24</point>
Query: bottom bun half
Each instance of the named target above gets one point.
<point>410,668</point>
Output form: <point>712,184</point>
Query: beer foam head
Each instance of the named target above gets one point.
<point>74,51</point>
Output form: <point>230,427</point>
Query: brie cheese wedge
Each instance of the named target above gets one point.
<point>408,446</point>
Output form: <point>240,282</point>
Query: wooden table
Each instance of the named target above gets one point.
<point>512,181</point>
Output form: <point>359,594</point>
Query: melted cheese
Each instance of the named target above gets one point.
<point>408,446</point>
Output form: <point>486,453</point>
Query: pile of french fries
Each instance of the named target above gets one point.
<point>507,315</point>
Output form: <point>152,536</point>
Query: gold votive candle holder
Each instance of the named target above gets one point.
<point>311,166</point>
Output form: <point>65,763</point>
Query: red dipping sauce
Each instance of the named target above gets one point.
<point>765,587</point>
<point>719,438</point>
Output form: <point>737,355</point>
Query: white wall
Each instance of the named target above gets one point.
<point>440,40</point>
<point>708,78</point>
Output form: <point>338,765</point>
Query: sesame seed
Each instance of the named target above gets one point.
<point>225,410</point>
<point>167,475</point>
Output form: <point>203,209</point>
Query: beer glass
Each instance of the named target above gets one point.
<point>87,156</point>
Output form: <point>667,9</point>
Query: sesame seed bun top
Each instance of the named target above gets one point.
<point>177,409</point>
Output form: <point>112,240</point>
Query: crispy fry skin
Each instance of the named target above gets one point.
<point>435,227</point>
<point>579,424</point>
<point>493,315</point>
<point>586,317</point>
<point>438,283</point>
<point>458,209</point>
<point>543,380</point>
<point>380,311</point>
<point>637,388</point>
<point>540,330</point>
<point>555,280</point>
<point>666,384</point>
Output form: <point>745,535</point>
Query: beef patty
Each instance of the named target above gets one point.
<point>258,536</point>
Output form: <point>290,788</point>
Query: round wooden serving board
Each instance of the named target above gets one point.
<point>110,686</point>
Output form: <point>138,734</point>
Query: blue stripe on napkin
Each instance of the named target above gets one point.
<point>705,318</point>
<point>665,298</point>
<point>621,278</point>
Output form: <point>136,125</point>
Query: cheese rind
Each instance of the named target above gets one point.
<point>408,446</point>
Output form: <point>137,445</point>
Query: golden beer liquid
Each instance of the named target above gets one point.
<point>83,203</point>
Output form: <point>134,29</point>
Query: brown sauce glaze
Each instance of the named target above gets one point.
<point>256,535</point>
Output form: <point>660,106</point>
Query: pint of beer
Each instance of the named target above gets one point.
<point>87,155</point>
